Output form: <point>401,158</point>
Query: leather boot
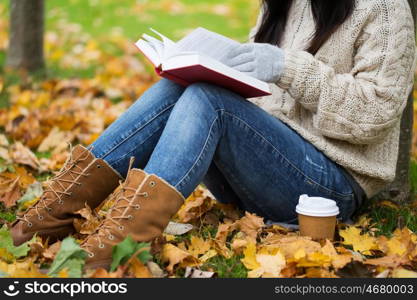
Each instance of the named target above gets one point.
<point>83,179</point>
<point>142,210</point>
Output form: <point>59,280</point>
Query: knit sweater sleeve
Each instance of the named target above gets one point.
<point>362,106</point>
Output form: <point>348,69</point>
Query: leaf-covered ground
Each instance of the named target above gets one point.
<point>94,74</point>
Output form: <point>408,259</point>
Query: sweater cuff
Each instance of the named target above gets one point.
<point>293,61</point>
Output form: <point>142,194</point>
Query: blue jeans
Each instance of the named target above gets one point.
<point>244,155</point>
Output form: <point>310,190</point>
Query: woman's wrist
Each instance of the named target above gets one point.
<point>293,62</point>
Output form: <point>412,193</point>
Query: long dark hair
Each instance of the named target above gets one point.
<point>329,15</point>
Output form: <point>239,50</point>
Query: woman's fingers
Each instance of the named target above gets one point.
<point>241,59</point>
<point>248,67</point>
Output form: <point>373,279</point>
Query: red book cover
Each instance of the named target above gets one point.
<point>198,73</point>
<point>194,73</point>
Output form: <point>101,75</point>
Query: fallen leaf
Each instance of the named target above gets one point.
<point>392,261</point>
<point>338,260</point>
<point>6,242</point>
<point>56,138</point>
<point>196,273</point>
<point>22,155</point>
<point>176,256</point>
<point>155,270</point>
<point>403,273</point>
<point>138,269</point>
<point>70,257</point>
<point>221,237</point>
<point>194,207</point>
<point>128,248</point>
<point>249,259</point>
<point>363,243</point>
<point>34,191</point>
<point>198,246</point>
<point>52,250</point>
<point>11,195</point>
<point>89,222</point>
<point>265,263</point>
<point>251,225</point>
<point>174,228</point>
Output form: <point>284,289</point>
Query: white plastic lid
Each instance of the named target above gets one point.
<point>317,207</point>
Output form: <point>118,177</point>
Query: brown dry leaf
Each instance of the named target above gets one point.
<point>176,256</point>
<point>11,194</point>
<point>393,261</point>
<point>51,252</point>
<point>230,211</point>
<point>251,225</point>
<point>56,139</point>
<point>89,222</point>
<point>290,270</point>
<point>24,156</point>
<point>37,248</point>
<point>26,178</point>
<point>240,242</point>
<point>338,261</point>
<point>221,237</point>
<point>194,207</point>
<point>290,245</point>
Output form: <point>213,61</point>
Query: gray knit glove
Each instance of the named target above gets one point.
<point>262,61</point>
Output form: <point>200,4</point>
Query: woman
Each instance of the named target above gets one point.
<point>340,73</point>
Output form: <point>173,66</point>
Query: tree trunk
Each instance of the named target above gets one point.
<point>26,35</point>
<point>399,190</point>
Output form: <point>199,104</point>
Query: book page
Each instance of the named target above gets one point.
<point>155,43</point>
<point>149,51</point>
<point>206,42</point>
<point>168,45</point>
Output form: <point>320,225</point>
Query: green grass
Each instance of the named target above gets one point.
<point>226,268</point>
<point>132,18</point>
<point>388,219</point>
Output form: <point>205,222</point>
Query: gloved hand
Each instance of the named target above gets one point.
<point>262,61</point>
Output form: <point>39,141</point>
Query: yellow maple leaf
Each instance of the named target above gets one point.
<point>266,263</point>
<point>316,259</point>
<point>198,246</point>
<point>271,262</point>
<point>249,259</point>
<point>363,243</point>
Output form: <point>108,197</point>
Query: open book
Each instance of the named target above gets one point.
<point>199,57</point>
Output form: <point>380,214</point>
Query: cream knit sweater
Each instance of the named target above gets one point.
<point>348,99</point>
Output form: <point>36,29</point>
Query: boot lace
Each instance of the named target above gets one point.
<point>70,168</point>
<point>116,214</point>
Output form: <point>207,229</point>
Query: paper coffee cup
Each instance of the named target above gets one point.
<point>317,217</point>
